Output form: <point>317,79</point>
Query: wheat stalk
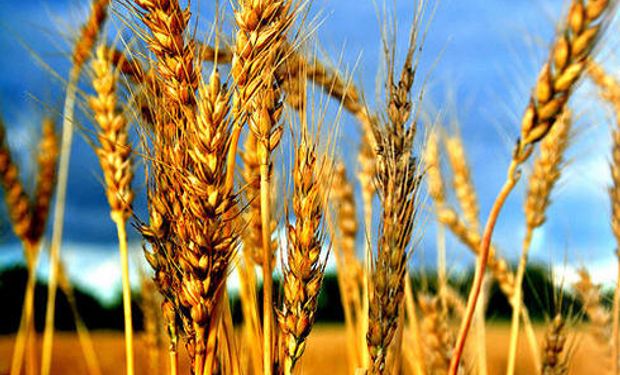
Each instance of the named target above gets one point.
<point>545,174</point>
<point>85,42</point>
<point>258,52</point>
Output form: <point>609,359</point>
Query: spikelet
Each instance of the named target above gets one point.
<point>546,171</point>
<point>553,347</point>
<point>438,341</point>
<point>590,295</point>
<point>114,150</point>
<point>462,182</point>
<point>47,159</point>
<point>15,197</point>
<point>565,65</point>
<point>305,266</point>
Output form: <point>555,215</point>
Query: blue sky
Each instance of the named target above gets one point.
<point>484,57</point>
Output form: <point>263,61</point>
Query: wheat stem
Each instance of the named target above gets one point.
<point>122,245</point>
<point>615,343</point>
<point>516,303</point>
<point>265,209</point>
<point>27,322</point>
<point>59,213</point>
<point>481,264</point>
<point>86,342</point>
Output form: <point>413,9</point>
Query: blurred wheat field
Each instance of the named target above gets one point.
<point>326,347</point>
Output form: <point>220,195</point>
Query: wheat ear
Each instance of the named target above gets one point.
<point>545,174</point>
<point>258,52</point>
<point>303,272</point>
<point>438,340</point>
<point>564,67</point>
<point>18,205</point>
<point>553,347</point>
<point>85,42</point>
<point>114,153</point>
<point>350,271</point>
<point>398,180</point>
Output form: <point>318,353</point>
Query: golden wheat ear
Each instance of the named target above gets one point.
<point>15,197</point>
<point>114,153</point>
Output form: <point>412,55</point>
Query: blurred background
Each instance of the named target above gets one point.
<point>479,62</point>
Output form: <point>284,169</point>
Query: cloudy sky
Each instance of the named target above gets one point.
<point>481,58</point>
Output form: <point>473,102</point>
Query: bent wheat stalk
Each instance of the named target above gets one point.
<point>555,84</point>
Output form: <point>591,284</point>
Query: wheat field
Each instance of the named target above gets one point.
<point>245,174</point>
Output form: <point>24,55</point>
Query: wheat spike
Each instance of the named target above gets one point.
<point>397,181</point>
<point>565,65</point>
<point>114,150</point>
<point>207,241</point>
<point>168,23</point>
<point>14,195</point>
<point>90,32</point>
<point>305,266</point>
<point>438,341</point>
<point>590,295</point>
<point>346,220</point>
<point>47,159</point>
<point>546,172</point>
<point>462,182</point>
<point>608,85</point>
<point>553,347</point>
